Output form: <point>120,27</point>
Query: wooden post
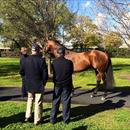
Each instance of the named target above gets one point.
<point>49,66</point>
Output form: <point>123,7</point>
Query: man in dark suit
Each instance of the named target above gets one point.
<point>35,71</point>
<point>62,78</point>
<point>23,57</point>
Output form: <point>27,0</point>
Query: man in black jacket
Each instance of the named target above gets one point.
<point>35,71</point>
<point>62,78</point>
<point>23,57</point>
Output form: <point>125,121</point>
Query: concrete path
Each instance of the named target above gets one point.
<point>116,97</point>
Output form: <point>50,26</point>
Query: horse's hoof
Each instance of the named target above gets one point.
<point>103,98</point>
<point>72,94</point>
<point>91,96</point>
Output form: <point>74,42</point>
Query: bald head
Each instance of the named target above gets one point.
<point>24,50</point>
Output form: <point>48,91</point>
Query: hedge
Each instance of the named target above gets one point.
<point>118,52</point>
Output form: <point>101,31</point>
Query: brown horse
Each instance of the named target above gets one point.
<point>95,59</point>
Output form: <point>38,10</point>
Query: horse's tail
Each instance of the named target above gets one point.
<point>110,82</point>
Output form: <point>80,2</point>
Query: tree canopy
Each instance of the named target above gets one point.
<point>112,40</point>
<point>24,19</point>
<point>118,14</point>
<point>85,33</point>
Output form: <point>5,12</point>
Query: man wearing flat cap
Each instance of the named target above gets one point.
<point>36,42</point>
<point>24,55</point>
<point>35,71</point>
<point>62,78</point>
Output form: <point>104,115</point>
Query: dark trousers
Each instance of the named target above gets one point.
<point>24,91</point>
<point>63,93</point>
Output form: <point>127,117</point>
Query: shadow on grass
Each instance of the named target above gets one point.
<point>80,128</point>
<point>19,118</point>
<point>121,67</point>
<point>82,112</point>
<point>78,113</point>
<point>12,119</point>
<point>7,69</point>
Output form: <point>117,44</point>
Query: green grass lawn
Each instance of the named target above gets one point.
<point>9,74</point>
<point>90,117</point>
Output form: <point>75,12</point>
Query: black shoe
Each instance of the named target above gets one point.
<point>52,122</point>
<point>66,122</point>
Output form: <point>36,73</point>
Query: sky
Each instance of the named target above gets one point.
<point>84,7</point>
<point>103,20</point>
<point>88,8</point>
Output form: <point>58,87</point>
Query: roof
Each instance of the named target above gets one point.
<point>5,48</point>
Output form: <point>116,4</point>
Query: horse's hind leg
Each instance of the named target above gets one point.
<point>104,85</point>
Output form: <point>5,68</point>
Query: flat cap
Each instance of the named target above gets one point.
<point>61,50</point>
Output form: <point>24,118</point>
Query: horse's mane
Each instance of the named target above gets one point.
<point>67,50</point>
<point>59,44</point>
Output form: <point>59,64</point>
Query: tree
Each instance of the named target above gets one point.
<point>93,39</point>
<point>24,19</point>
<point>119,16</point>
<point>84,33</point>
<point>112,40</point>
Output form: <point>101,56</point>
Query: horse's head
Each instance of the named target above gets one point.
<point>47,47</point>
<point>51,47</point>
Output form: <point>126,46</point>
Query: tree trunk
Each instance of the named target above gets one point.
<point>49,67</point>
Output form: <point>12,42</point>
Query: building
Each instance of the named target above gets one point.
<point>4,49</point>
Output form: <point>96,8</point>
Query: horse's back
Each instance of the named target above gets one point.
<point>99,59</point>
<point>99,53</point>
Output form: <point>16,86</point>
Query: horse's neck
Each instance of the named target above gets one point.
<point>70,55</point>
<point>55,47</point>
<point>68,52</point>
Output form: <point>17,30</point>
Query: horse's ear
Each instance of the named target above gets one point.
<point>46,39</point>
